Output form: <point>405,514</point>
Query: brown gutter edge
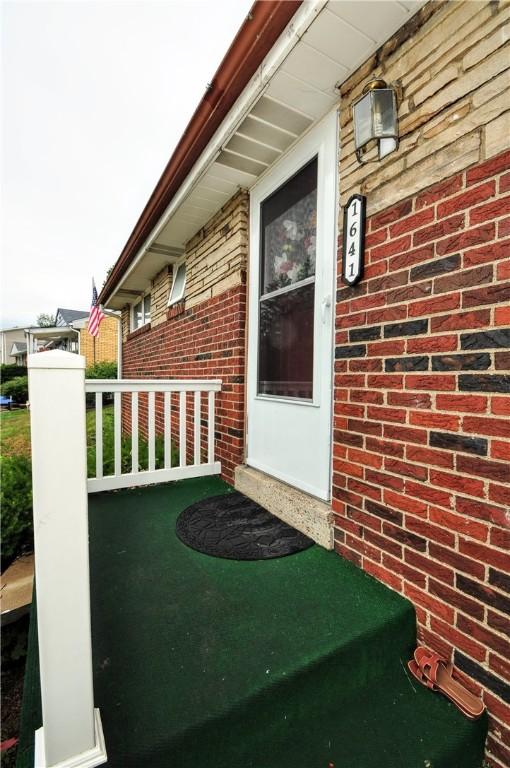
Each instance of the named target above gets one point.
<point>264,24</point>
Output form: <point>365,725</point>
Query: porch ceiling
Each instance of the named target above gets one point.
<point>338,36</point>
<point>56,332</point>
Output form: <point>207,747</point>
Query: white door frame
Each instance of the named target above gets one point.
<point>320,141</point>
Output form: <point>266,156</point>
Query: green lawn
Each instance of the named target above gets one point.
<point>15,430</point>
<point>15,433</point>
<point>15,441</point>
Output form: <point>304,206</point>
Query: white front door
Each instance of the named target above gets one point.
<point>291,300</point>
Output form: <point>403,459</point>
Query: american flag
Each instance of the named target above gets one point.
<point>96,315</point>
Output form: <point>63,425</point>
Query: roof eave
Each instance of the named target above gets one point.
<point>264,24</point>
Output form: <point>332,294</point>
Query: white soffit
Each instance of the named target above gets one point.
<point>342,35</point>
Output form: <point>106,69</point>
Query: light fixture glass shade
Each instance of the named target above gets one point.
<point>375,119</point>
<point>386,147</point>
<point>363,126</point>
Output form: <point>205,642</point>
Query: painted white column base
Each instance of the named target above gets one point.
<point>89,759</point>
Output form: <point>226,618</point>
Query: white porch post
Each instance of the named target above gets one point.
<point>71,735</point>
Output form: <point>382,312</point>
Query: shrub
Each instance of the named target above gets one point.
<point>14,648</point>
<point>16,388</point>
<point>10,371</point>
<point>16,504</point>
<point>102,370</point>
<point>125,449</point>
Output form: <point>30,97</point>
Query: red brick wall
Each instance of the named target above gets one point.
<point>206,341</point>
<point>421,480</point>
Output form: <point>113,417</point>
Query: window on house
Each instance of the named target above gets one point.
<point>178,285</point>
<point>142,312</point>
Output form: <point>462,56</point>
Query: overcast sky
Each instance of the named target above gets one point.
<point>95,96</point>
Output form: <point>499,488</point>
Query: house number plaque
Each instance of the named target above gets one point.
<point>354,239</point>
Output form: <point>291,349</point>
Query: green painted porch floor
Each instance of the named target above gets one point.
<point>290,663</point>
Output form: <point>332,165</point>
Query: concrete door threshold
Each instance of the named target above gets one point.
<point>297,508</point>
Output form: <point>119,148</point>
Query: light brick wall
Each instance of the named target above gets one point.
<point>216,256</point>
<point>454,72</point>
<point>215,262</point>
<point>106,345</point>
<point>421,467</point>
<point>125,321</point>
<point>160,291</point>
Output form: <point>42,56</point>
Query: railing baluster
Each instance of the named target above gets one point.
<point>134,432</point>
<point>151,432</point>
<point>210,430</point>
<point>117,424</point>
<point>99,434</point>
<point>182,430</point>
<point>168,433</point>
<point>196,443</point>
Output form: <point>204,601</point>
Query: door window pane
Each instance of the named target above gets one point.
<point>286,344</point>
<point>286,328</point>
<point>289,221</point>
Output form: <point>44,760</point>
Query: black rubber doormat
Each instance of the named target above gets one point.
<point>236,528</point>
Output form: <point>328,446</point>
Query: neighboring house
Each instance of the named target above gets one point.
<point>19,352</point>
<point>70,334</point>
<point>65,317</point>
<point>8,338</point>
<point>384,406</point>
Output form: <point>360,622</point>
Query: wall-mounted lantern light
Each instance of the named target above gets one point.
<point>375,120</point>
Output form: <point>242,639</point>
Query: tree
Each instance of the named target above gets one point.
<point>45,321</point>
<point>108,273</point>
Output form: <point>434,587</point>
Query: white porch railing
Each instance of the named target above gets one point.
<point>71,735</point>
<point>192,394</point>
